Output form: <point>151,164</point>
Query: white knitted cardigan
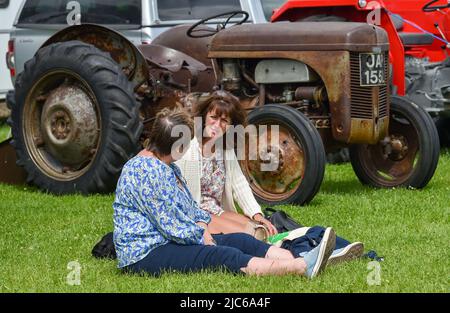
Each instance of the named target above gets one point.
<point>236,185</point>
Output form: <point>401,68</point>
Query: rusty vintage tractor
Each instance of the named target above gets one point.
<point>83,104</point>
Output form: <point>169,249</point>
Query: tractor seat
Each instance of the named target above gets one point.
<point>416,39</point>
<point>410,39</point>
<point>398,22</point>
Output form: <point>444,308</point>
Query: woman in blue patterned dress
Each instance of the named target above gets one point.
<point>159,227</point>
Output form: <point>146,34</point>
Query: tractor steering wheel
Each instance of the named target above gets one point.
<point>428,8</point>
<point>207,31</point>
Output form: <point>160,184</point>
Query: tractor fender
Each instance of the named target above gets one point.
<point>122,50</point>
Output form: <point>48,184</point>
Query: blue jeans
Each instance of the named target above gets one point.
<point>233,251</point>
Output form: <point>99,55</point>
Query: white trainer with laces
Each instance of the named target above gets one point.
<point>350,252</point>
<point>317,258</point>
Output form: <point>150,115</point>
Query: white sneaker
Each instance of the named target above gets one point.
<point>317,258</point>
<point>350,252</point>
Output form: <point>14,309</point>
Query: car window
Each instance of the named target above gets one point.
<point>173,10</point>
<point>126,12</point>
<point>4,4</point>
<point>269,6</point>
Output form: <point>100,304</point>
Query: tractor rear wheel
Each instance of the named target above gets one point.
<point>76,121</point>
<point>407,157</point>
<point>289,169</point>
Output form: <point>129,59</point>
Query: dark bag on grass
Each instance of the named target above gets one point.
<point>281,220</point>
<point>105,248</point>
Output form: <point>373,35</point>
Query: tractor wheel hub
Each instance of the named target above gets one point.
<point>69,124</point>
<point>395,147</point>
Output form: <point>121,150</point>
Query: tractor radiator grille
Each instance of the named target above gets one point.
<point>364,99</point>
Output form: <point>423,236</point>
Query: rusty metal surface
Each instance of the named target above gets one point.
<point>196,48</point>
<point>108,40</point>
<point>281,183</point>
<point>368,130</point>
<point>69,125</point>
<point>369,106</point>
<point>301,36</point>
<point>293,40</point>
<point>165,58</point>
<point>10,173</point>
<point>62,125</point>
<point>177,39</point>
<point>314,94</point>
<point>170,59</point>
<point>333,67</point>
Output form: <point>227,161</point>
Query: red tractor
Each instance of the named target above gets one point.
<point>418,33</point>
<point>423,27</point>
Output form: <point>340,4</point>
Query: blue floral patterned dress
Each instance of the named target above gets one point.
<point>150,210</point>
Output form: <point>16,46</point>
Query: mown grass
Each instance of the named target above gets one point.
<point>4,131</point>
<point>41,234</point>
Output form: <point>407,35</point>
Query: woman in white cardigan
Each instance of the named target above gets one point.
<point>214,176</point>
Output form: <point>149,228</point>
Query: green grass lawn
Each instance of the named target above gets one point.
<point>4,132</point>
<point>41,234</point>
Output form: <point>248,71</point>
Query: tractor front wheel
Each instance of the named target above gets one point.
<point>286,164</point>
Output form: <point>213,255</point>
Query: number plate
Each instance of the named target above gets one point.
<point>372,69</point>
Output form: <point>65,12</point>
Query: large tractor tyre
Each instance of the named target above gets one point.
<point>287,170</point>
<point>408,157</point>
<point>76,120</point>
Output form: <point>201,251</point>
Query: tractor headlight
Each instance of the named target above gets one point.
<point>362,3</point>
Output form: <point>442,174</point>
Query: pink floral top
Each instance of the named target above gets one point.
<point>212,183</point>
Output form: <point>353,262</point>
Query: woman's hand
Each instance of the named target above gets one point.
<point>207,238</point>
<point>261,219</point>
